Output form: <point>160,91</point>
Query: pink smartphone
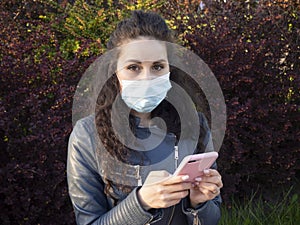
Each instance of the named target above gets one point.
<point>194,165</point>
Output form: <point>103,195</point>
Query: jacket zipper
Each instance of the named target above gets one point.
<point>170,220</point>
<point>196,220</point>
<point>176,156</point>
<point>176,152</point>
<point>148,223</point>
<point>172,214</point>
<point>138,175</point>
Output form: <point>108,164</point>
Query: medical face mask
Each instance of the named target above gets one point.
<point>145,95</point>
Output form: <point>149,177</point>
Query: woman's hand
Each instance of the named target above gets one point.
<point>206,188</point>
<point>165,193</point>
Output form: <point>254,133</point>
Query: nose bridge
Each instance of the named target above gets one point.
<point>146,73</point>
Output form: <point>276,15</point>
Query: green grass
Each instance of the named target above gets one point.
<point>285,211</point>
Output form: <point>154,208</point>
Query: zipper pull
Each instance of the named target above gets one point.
<point>196,219</point>
<point>140,183</point>
<point>138,175</point>
<point>176,156</point>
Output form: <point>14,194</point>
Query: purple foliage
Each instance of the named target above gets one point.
<point>248,57</point>
<point>36,89</point>
<point>254,52</point>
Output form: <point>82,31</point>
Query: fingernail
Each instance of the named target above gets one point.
<point>206,171</point>
<point>185,177</point>
<point>198,179</point>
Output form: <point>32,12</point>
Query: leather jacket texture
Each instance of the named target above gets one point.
<point>86,185</point>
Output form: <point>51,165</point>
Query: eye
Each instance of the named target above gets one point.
<point>133,67</point>
<point>158,67</point>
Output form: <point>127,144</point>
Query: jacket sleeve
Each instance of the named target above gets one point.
<point>86,187</point>
<point>207,213</point>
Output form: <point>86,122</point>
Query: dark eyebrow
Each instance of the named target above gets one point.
<point>160,61</point>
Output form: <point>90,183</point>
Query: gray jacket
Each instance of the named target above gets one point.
<point>85,168</point>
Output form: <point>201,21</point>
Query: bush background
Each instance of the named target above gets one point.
<point>252,47</point>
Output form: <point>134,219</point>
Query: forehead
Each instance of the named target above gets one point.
<point>143,50</point>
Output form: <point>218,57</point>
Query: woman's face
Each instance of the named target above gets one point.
<point>142,59</point>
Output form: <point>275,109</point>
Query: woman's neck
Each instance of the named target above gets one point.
<point>144,118</point>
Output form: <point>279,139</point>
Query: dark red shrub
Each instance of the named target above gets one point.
<point>253,49</point>
<point>36,90</point>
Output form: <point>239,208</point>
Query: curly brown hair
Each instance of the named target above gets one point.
<point>154,27</point>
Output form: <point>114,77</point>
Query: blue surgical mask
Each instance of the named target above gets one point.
<point>145,95</point>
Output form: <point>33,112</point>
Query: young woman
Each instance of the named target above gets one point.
<point>106,172</point>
